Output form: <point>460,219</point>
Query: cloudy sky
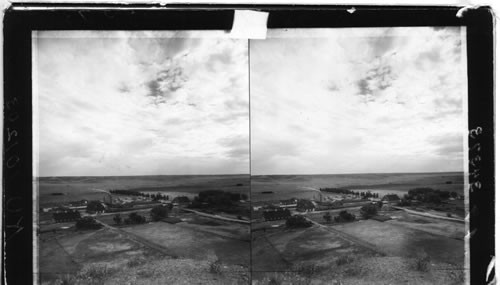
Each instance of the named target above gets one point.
<point>140,103</point>
<point>367,100</point>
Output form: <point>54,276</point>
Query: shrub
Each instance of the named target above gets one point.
<point>368,211</point>
<point>353,271</point>
<point>66,280</point>
<point>279,278</point>
<point>327,217</point>
<point>456,276</point>
<point>135,262</point>
<point>147,273</point>
<point>118,219</point>
<point>135,218</point>
<point>345,216</point>
<point>94,206</point>
<point>274,281</point>
<point>423,262</point>
<point>216,267</point>
<point>159,212</point>
<point>94,273</point>
<point>297,221</point>
<point>307,270</point>
<point>344,259</point>
<point>87,223</point>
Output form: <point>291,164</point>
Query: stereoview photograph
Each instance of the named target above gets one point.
<point>315,156</point>
<point>358,156</point>
<point>141,146</point>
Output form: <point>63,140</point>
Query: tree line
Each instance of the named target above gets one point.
<point>157,213</point>
<point>154,197</point>
<point>427,195</point>
<point>367,194</point>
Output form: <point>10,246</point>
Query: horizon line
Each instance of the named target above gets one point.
<point>354,173</point>
<point>239,174</point>
<point>137,175</point>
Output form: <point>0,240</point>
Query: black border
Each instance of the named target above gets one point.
<point>17,151</point>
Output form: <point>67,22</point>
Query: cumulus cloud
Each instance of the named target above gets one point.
<point>165,84</point>
<point>138,103</point>
<point>358,100</point>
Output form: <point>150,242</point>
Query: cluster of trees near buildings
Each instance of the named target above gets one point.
<point>304,205</point>
<point>367,211</point>
<point>276,213</point>
<point>154,197</point>
<point>66,215</point>
<point>338,191</point>
<point>427,195</point>
<point>342,217</point>
<point>297,221</point>
<point>223,201</point>
<point>87,223</point>
<point>157,213</point>
<point>95,206</point>
<point>366,194</point>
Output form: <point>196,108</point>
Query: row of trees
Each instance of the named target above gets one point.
<point>367,211</point>
<point>217,198</point>
<point>154,197</point>
<point>367,194</point>
<point>157,213</point>
<point>338,190</point>
<point>126,192</point>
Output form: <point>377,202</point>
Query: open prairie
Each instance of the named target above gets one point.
<point>278,187</point>
<point>188,242</point>
<point>364,251</point>
<point>55,190</point>
<point>357,253</point>
<point>154,253</point>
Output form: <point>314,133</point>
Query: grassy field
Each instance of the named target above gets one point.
<point>67,252</point>
<point>445,228</point>
<point>78,188</point>
<point>319,256</point>
<point>108,256</point>
<point>302,186</point>
<point>395,240</point>
<point>216,227</point>
<point>283,249</point>
<point>185,242</point>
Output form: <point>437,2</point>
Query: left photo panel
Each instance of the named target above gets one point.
<point>141,157</point>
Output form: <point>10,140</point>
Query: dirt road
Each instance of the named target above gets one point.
<point>428,215</point>
<point>217,217</point>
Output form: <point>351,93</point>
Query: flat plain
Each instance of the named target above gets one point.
<point>408,247</point>
<point>194,250</point>
<point>278,187</point>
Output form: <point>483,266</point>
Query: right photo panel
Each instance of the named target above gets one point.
<point>359,156</point>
